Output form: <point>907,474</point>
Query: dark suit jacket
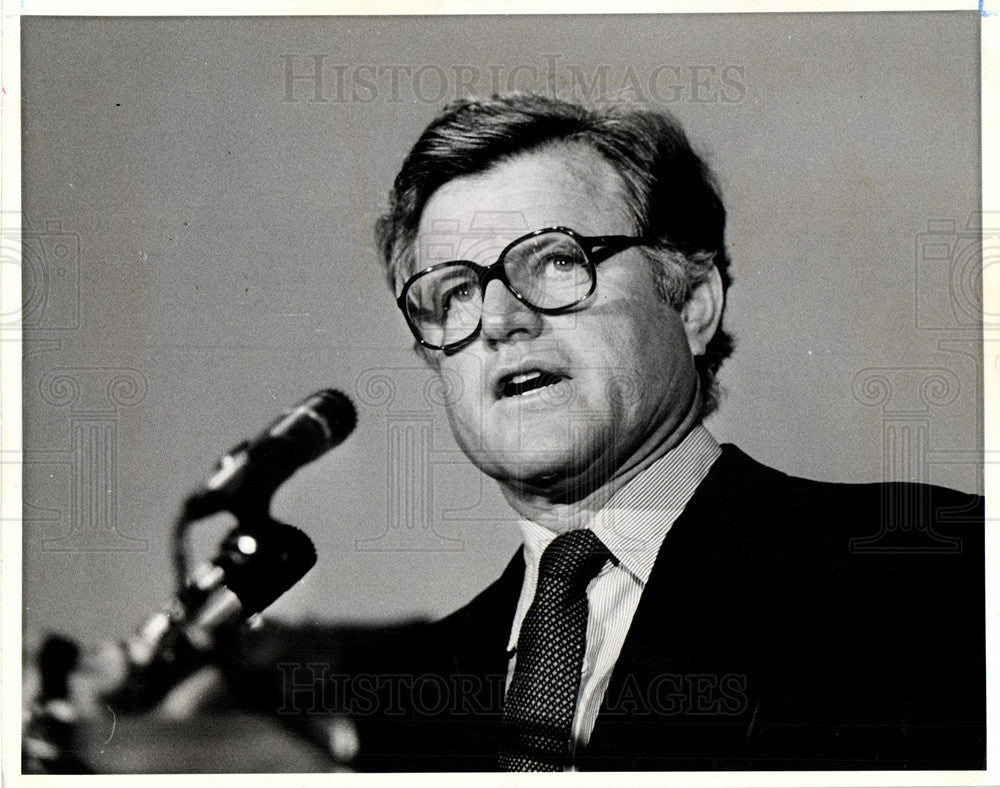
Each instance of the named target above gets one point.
<point>787,624</point>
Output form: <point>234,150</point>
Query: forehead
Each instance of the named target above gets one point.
<point>475,216</point>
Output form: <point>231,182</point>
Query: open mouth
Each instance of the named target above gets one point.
<point>522,383</point>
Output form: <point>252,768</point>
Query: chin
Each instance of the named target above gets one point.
<point>551,470</point>
<point>536,453</point>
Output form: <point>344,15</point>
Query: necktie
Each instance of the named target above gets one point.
<point>541,700</point>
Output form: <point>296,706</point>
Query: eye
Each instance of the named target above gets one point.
<point>454,295</point>
<point>553,257</point>
<point>451,293</point>
<point>557,261</point>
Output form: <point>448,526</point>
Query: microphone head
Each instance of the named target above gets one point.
<point>335,412</point>
<point>310,429</point>
<point>248,475</point>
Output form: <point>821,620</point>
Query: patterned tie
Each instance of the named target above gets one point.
<point>538,711</point>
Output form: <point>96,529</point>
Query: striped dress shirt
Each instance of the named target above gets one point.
<point>632,525</point>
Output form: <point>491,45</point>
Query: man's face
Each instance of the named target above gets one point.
<point>618,375</point>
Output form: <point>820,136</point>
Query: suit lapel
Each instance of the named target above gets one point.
<point>483,626</point>
<point>687,651</point>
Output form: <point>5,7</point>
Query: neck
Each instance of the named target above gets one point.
<point>549,505</point>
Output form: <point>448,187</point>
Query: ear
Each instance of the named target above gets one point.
<point>702,313</point>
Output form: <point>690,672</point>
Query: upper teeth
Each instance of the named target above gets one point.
<point>525,376</point>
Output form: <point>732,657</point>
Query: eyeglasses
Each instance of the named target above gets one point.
<point>550,270</point>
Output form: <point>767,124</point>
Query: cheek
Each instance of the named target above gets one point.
<point>636,362</point>
<point>461,389</point>
<point>628,348</point>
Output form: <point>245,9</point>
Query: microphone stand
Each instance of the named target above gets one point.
<point>258,560</point>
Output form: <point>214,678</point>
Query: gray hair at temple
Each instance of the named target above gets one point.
<point>670,192</point>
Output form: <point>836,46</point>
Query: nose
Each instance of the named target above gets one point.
<point>505,318</point>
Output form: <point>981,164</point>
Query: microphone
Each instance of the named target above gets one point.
<point>256,564</point>
<point>248,475</point>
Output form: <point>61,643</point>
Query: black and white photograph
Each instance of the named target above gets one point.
<point>494,392</point>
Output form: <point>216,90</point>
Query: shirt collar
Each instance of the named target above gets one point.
<point>633,523</point>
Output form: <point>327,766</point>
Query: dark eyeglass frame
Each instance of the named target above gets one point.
<point>596,249</point>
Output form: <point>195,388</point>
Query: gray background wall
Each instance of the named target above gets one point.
<point>199,257</point>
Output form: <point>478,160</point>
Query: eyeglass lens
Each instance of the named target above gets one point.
<point>547,271</point>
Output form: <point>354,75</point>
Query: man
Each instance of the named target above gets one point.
<point>676,605</point>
